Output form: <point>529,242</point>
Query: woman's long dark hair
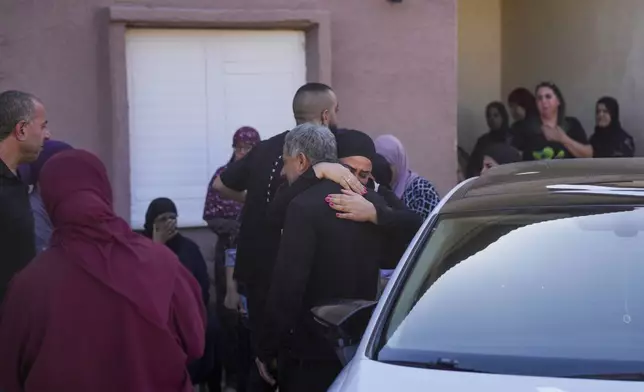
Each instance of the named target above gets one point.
<point>561,111</point>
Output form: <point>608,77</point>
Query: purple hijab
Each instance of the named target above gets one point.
<point>392,149</point>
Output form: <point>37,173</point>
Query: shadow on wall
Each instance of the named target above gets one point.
<point>469,127</point>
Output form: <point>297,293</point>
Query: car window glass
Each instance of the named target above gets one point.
<point>556,284</point>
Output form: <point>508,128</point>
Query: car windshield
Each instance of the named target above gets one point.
<point>542,292</point>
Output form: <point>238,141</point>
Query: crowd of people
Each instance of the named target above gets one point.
<point>314,214</point>
<point>543,129</point>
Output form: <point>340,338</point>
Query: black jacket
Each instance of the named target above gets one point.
<point>17,239</point>
<point>397,223</point>
<point>321,258</point>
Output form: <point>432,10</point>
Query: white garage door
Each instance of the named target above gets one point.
<point>188,91</point>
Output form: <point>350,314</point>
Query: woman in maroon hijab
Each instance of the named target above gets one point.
<point>103,309</point>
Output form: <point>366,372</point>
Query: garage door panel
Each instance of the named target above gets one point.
<point>189,90</point>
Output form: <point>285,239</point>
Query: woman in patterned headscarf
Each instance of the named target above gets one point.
<point>416,192</point>
<point>222,216</point>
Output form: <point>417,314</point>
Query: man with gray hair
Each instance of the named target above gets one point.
<point>306,145</point>
<point>321,258</point>
<point>23,131</point>
<point>255,180</point>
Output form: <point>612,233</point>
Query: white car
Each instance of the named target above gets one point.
<point>529,278</point>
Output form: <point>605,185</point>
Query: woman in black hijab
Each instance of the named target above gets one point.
<point>498,121</point>
<point>610,139</point>
<point>161,226</point>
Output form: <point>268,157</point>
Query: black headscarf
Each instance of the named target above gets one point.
<point>159,206</point>
<point>502,153</point>
<point>187,251</point>
<point>613,140</point>
<point>499,135</point>
<point>353,143</point>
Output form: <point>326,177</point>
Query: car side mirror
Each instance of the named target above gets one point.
<point>342,323</point>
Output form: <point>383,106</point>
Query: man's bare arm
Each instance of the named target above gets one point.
<point>228,193</point>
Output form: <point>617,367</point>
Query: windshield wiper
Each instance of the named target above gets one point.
<point>612,376</point>
<point>440,364</point>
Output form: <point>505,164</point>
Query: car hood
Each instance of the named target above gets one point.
<point>363,375</point>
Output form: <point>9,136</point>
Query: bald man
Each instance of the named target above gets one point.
<point>254,181</point>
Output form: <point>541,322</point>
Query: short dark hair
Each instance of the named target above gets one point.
<point>15,106</point>
<point>313,87</point>
<point>522,97</point>
<point>307,102</point>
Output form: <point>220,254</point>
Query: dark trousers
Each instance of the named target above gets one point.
<point>245,359</point>
<point>256,296</point>
<point>310,376</point>
<point>208,367</point>
<point>228,320</point>
<point>293,375</point>
<point>239,342</point>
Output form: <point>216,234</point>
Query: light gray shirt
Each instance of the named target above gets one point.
<point>42,223</point>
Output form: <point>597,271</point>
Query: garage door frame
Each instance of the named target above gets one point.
<point>316,25</point>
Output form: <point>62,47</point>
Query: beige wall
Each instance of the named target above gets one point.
<point>479,65</point>
<point>589,48</point>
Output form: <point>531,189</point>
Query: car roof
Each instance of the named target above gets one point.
<point>553,183</point>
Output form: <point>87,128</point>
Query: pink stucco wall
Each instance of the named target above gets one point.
<point>393,67</point>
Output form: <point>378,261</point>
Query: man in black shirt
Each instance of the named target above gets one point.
<point>23,131</point>
<point>254,180</point>
<point>321,258</point>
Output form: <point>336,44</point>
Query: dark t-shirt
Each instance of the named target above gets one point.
<point>258,173</point>
<point>17,239</point>
<point>528,138</point>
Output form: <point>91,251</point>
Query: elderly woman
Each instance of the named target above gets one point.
<point>161,227</point>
